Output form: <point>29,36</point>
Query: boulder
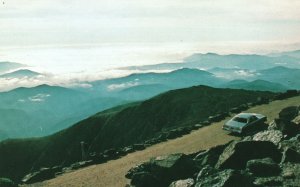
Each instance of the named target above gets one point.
<point>291,174</point>
<point>237,154</point>
<point>128,149</point>
<point>225,178</point>
<point>205,123</point>
<point>288,113</point>
<point>274,136</point>
<point>38,176</point>
<point>295,138</point>
<point>144,179</point>
<point>263,167</point>
<point>198,126</point>
<point>78,165</point>
<point>210,156</point>
<point>183,183</point>
<point>290,155</point>
<point>175,133</point>
<point>269,181</point>
<point>287,128</point>
<point>261,100</point>
<point>111,153</point>
<point>137,169</point>
<point>98,158</point>
<point>138,147</point>
<point>5,182</point>
<point>162,170</point>
<point>236,110</point>
<point>216,118</point>
<point>287,94</point>
<point>296,120</point>
<point>205,172</point>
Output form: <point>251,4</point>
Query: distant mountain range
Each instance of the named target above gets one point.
<point>295,54</point>
<point>22,73</point>
<point>120,111</point>
<point>261,85</point>
<point>46,109</point>
<point>213,60</point>
<point>7,66</point>
<point>121,126</point>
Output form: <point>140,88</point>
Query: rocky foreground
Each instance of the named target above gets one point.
<point>268,158</point>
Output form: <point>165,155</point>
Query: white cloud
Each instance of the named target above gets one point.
<point>67,22</point>
<point>113,87</point>
<point>39,97</point>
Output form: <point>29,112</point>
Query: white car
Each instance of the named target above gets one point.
<point>240,122</point>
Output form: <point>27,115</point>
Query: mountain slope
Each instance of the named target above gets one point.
<point>180,78</point>
<point>143,91</point>
<point>260,85</point>
<point>48,109</point>
<point>113,173</point>
<point>20,74</point>
<point>295,54</point>
<point>7,66</point>
<point>288,77</point>
<point>124,125</point>
<point>213,60</point>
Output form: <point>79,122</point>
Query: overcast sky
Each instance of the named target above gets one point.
<point>84,39</point>
<point>77,22</point>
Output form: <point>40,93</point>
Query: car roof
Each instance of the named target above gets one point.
<point>245,115</point>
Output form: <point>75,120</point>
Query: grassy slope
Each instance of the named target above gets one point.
<point>122,126</point>
<point>112,173</point>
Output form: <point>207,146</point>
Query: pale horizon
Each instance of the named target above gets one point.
<point>46,33</point>
<point>89,40</point>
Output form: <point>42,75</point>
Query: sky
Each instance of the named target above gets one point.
<point>67,36</point>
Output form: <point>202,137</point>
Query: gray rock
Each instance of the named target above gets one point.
<point>288,113</point>
<point>263,167</point>
<point>269,181</point>
<point>5,182</point>
<point>183,183</point>
<point>274,136</point>
<point>41,175</point>
<point>226,178</point>
<point>138,147</point>
<point>210,157</point>
<point>198,126</point>
<point>290,155</point>
<point>236,154</point>
<point>137,169</point>
<point>287,128</point>
<point>296,120</point>
<point>292,143</point>
<point>163,170</point>
<point>291,174</point>
<point>205,172</point>
<point>144,179</point>
<point>78,165</point>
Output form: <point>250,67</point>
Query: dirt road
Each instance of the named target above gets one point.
<point>111,174</point>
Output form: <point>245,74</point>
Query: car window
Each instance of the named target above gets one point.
<point>252,119</point>
<point>239,119</point>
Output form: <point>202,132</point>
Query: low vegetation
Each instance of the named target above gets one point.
<point>121,126</point>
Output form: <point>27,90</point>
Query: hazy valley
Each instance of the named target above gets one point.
<point>48,120</point>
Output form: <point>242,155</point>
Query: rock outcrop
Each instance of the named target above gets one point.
<point>268,158</point>
<point>5,182</point>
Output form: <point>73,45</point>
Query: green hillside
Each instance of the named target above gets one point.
<point>260,85</point>
<point>121,126</point>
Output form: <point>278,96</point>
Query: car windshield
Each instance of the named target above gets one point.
<point>239,119</point>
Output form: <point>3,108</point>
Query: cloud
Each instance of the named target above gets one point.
<point>39,97</point>
<point>69,22</point>
<point>113,87</point>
